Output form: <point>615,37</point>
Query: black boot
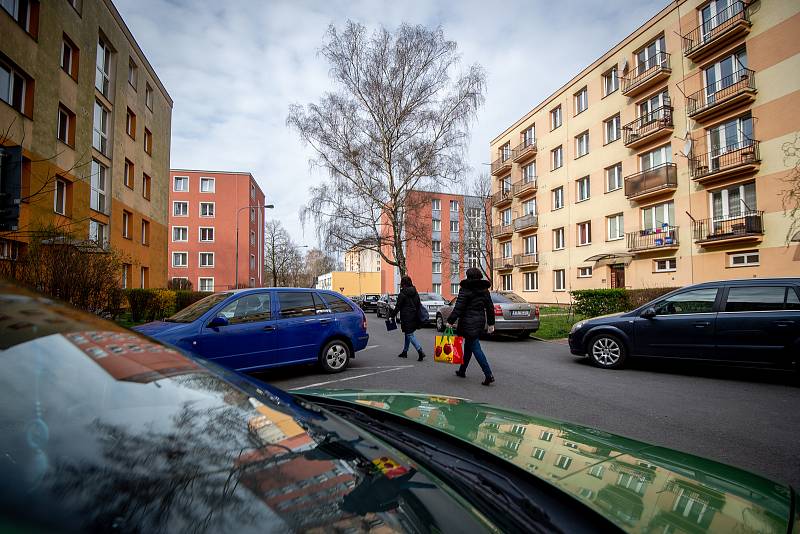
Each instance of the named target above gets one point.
<point>462,374</point>
<point>421,356</point>
<point>403,354</point>
<point>488,380</point>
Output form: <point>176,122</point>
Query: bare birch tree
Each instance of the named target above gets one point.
<point>279,251</point>
<point>478,224</point>
<point>398,121</point>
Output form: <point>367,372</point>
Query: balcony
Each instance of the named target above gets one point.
<point>502,230</point>
<point>524,187</point>
<point>731,91</point>
<point>526,222</point>
<point>524,151</point>
<point>718,231</point>
<point>664,238</point>
<point>736,160</point>
<point>656,181</point>
<point>718,32</point>
<point>526,261</point>
<point>646,75</point>
<point>502,198</point>
<point>503,264</point>
<point>501,165</point>
<point>648,128</point>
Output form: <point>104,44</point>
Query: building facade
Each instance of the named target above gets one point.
<point>661,164</point>
<point>350,283</point>
<point>85,139</point>
<point>216,229</point>
<point>360,259</point>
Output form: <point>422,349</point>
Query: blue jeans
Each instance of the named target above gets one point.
<point>472,345</point>
<point>410,338</point>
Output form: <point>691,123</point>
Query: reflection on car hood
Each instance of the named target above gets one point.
<point>156,328</point>
<point>638,486</point>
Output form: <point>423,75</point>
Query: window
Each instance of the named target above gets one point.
<point>97,200</point>
<point>658,216</point>
<point>612,129</point>
<point>651,55</point>
<point>597,470</point>
<point>743,259</point>
<point>581,100</point>
<point>65,131</point>
<point>207,185</point>
<point>538,453</point>
<point>610,81</point>
<point>454,288</point>
<point>556,158</point>
<point>69,57</point>
<point>454,226</point>
<point>763,298</point>
<point>103,68</point>
<point>126,224</point>
<point>616,227</point>
<point>437,225</point>
<point>437,267</point>
<point>129,175</point>
<point>529,172</point>
<point>252,214</point>
<point>60,197</point>
<point>530,244</point>
<point>145,277</point>
<point>436,288</point>
<point>473,258</point>
<point>531,281</point>
<point>725,73</point>
<point>180,208</point>
<point>146,184</point>
<point>252,238</point>
<point>529,207</point>
<point>127,270</point>
<point>251,308</point>
<point>649,110</point>
<point>584,272</point>
<point>563,462</point>
<point>145,232</point>
<point>582,144</point>
<point>614,177</point>
<point>148,96</point>
<point>508,284</point>
<point>436,246</point>
<point>252,262</point>
<point>252,191</point>
<point>436,204</point>
<point>24,12</point>
<point>454,206</point>
<point>180,233</point>
<point>583,189</point>
<point>207,209</point>
<point>454,247</point>
<point>130,124</point>
<point>98,232</point>
<point>180,259</point>
<point>559,280</point>
<point>654,158</point>
<point>205,284</point>
<point>180,183</point>
<point>15,90</point>
<point>506,249</point>
<point>558,197</point>
<point>148,142</point>
<point>555,118</point>
<point>337,304</point>
<point>100,136</point>
<point>529,136</point>
<point>558,238</point>
<point>133,73</point>
<point>733,202</point>
<point>206,234</point>
<point>505,184</point>
<point>665,266</point>
<point>505,151</point>
<point>694,301</point>
<point>206,259</point>
<point>505,217</point>
<point>584,233</point>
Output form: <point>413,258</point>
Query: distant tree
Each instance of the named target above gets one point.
<point>791,195</point>
<point>399,121</point>
<point>279,252</point>
<point>318,262</point>
<point>478,230</point>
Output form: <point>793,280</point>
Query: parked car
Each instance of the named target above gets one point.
<point>432,302</point>
<point>512,314</point>
<point>369,301</point>
<point>251,329</point>
<point>753,322</point>
<point>107,430</point>
<point>385,304</point>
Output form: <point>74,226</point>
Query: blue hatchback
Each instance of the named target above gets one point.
<point>251,329</point>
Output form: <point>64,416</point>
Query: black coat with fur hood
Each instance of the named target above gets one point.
<point>473,309</point>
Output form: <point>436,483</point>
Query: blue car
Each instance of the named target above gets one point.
<point>252,329</point>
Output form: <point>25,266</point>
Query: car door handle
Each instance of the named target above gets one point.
<point>702,324</point>
<point>268,328</point>
<point>325,321</point>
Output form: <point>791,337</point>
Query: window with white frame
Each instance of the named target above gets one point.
<point>508,282</point>
<point>555,117</point>
<point>454,206</point>
<point>667,265</point>
<point>582,144</point>
<point>436,246</point>
<point>454,247</point>
<point>126,224</point>
<point>650,56</point>
<point>205,284</point>
<point>529,207</point>
<point>437,225</point>
<point>556,158</point>
<point>98,232</point>
<point>133,73</point>
<point>252,214</point>
<point>60,197</point>
<point>558,197</point>
<point>506,249</point>
<point>733,202</point>
<point>530,244</point>
<point>582,191</point>
<point>436,204</point>
<point>103,67</point>
<point>529,172</point>
<point>612,128</point>
<point>98,182</point>
<point>454,268</point>
<point>581,100</point>
<point>207,209</point>
<point>180,208</point>
<point>437,267</point>
<point>65,127</point>
<point>610,81</point>
<point>473,258</point>
<point>658,216</point>
<point>559,280</point>
<point>180,259</point>
<point>454,226</point>
<point>206,259</point>
<point>207,185</point>
<point>100,126</point>
<point>13,87</point>
<point>649,109</point>
<point>743,259</point>
<point>654,158</point>
<point>505,151</point>
<point>505,217</point>
<point>180,233</point>
<point>584,233</point>
<point>148,96</point>
<point>584,272</point>
<point>206,234</point>
<point>531,281</point>
<point>558,238</point>
<point>616,226</point>
<point>67,56</point>
<point>614,177</point>
<point>180,183</point>
<point>529,135</point>
<point>724,73</point>
<point>253,191</point>
<point>454,288</point>
<point>437,288</point>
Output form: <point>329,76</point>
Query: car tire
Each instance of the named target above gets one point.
<point>524,334</point>
<point>439,322</point>
<point>378,313</point>
<point>607,351</point>
<point>334,356</point>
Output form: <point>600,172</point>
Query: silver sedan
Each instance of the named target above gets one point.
<point>512,314</point>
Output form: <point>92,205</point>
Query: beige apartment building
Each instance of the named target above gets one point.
<point>360,259</point>
<point>661,164</point>
<point>84,134</point>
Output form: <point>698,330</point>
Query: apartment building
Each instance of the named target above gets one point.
<point>458,240</point>
<point>661,163</point>
<point>216,229</point>
<point>362,259</point>
<point>84,134</point>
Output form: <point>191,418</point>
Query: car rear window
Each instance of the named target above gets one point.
<point>296,304</point>
<point>194,311</point>
<point>337,304</point>
<point>430,296</point>
<point>371,298</point>
<point>506,297</point>
<point>761,298</point>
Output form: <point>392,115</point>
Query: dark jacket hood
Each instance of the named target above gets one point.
<point>475,284</point>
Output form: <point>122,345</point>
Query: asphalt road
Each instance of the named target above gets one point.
<point>743,417</point>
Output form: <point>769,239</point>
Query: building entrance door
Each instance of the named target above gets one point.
<point>617,275</point>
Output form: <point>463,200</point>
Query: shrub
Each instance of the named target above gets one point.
<point>179,284</point>
<point>139,303</point>
<point>638,297</point>
<point>185,298</point>
<point>594,302</point>
<point>162,304</point>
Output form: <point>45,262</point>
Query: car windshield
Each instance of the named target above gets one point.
<point>506,297</point>
<point>194,311</point>
<point>430,296</point>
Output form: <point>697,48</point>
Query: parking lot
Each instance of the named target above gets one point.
<point>744,417</point>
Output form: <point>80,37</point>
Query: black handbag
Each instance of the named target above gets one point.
<point>391,324</point>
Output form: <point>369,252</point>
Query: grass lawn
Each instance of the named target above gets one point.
<point>125,320</point>
<point>556,325</point>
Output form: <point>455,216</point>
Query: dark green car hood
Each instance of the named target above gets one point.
<point>638,486</point>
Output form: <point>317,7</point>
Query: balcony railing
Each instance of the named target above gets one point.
<point>530,220</point>
<point>664,237</point>
<point>747,225</point>
<point>502,164</point>
<point>503,263</point>
<point>736,87</point>
<point>526,260</point>
<point>647,72</point>
<point>651,181</point>
<point>502,229</point>
<point>725,161</point>
<point>502,196</point>
<point>640,130</point>
<point>716,30</point>
<point>524,150</point>
<point>524,186</point>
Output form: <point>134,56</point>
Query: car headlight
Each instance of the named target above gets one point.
<point>577,326</point>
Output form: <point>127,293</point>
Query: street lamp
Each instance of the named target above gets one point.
<point>236,261</point>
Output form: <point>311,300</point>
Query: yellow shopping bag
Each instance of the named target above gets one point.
<point>449,348</point>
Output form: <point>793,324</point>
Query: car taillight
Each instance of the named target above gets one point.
<point>498,311</point>
<point>536,311</point>
<point>363,320</point>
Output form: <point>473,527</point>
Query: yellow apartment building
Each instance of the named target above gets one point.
<point>84,133</point>
<point>661,164</point>
<point>351,283</point>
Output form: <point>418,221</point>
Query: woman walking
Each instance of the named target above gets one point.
<point>474,311</point>
<point>407,306</point>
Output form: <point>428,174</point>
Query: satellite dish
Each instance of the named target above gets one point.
<point>624,65</point>
<point>687,144</point>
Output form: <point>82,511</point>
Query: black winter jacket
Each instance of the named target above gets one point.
<point>408,307</point>
<point>473,309</point>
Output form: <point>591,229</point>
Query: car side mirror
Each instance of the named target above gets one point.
<point>219,320</point>
<point>649,313</point>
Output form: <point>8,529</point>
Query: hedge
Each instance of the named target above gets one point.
<point>155,304</point>
<point>594,302</point>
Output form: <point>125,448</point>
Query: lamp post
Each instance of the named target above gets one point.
<point>236,261</point>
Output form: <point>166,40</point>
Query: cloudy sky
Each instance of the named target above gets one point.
<point>234,67</point>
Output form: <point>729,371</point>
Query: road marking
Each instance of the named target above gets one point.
<point>369,347</point>
<point>354,377</point>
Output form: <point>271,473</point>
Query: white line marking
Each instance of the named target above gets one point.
<point>353,377</point>
<point>369,347</point>
<point>359,368</point>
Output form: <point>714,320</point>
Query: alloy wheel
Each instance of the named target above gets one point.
<point>606,351</point>
<point>336,356</point>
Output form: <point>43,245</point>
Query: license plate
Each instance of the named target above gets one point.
<point>520,313</point>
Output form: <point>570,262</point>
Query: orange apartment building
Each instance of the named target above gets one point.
<point>207,209</point>
<point>661,164</point>
<point>85,139</point>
